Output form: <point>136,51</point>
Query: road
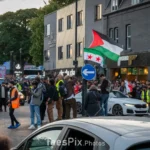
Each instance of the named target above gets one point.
<point>23,116</point>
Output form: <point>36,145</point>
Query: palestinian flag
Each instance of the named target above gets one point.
<point>105,45</point>
<point>94,56</point>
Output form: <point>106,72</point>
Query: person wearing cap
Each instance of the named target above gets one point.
<point>13,104</point>
<point>92,102</point>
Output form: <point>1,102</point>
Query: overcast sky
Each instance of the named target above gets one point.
<point>13,5</point>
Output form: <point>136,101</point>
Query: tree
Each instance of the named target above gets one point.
<point>15,33</point>
<point>62,3</point>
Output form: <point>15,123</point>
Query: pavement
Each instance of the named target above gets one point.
<point>23,116</point>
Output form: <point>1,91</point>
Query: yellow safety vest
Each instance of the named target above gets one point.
<point>57,87</point>
<point>147,96</point>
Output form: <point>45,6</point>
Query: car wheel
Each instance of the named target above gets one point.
<point>79,108</point>
<point>117,110</point>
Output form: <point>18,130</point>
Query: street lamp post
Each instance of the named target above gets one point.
<point>76,33</point>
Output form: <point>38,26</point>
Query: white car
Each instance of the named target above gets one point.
<point>102,133</point>
<point>119,104</point>
<point>31,77</point>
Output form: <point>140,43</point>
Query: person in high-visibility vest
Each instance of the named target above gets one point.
<point>59,105</point>
<point>148,97</point>
<point>13,104</point>
<point>143,93</point>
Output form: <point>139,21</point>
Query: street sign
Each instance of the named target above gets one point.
<point>88,72</point>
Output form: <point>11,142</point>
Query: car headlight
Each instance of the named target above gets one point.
<point>129,105</point>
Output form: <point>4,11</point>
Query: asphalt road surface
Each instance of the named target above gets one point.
<point>23,115</point>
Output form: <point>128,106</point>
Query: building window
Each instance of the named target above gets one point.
<point>60,52</point>
<point>114,5</point>
<point>111,33</point>
<point>80,18</point>
<point>128,38</point>
<point>98,12</point>
<point>60,25</point>
<point>116,36</point>
<point>134,2</point>
<point>69,22</point>
<point>47,55</point>
<point>69,51</point>
<point>79,49</point>
<point>47,30</point>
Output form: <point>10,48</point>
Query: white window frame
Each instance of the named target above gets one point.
<point>48,31</point>
<point>134,2</point>
<point>98,12</point>
<point>128,37</point>
<point>114,5</point>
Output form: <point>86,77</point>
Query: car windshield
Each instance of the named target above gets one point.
<point>117,94</point>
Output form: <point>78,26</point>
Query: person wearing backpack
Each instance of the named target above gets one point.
<point>52,97</point>
<point>70,101</point>
<point>60,90</point>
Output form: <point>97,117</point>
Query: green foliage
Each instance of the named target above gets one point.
<point>15,34</point>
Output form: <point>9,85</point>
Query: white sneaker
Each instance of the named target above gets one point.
<point>38,127</point>
<point>32,127</point>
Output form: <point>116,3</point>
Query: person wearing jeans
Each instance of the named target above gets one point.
<point>36,100</point>
<point>104,95</point>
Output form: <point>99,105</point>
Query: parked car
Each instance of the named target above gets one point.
<point>102,133</point>
<point>119,104</point>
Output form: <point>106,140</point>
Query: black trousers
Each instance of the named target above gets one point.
<point>4,103</point>
<point>64,109</point>
<point>0,105</point>
<point>12,117</point>
<point>42,110</point>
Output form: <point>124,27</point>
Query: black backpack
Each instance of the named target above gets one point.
<point>56,95</point>
<point>63,90</point>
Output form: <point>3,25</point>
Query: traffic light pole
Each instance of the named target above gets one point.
<point>76,36</point>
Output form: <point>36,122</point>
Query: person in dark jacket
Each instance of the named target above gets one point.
<point>92,103</point>
<point>52,95</point>
<point>43,105</point>
<point>104,94</point>
<point>70,102</point>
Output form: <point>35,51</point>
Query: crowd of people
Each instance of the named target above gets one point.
<point>43,94</point>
